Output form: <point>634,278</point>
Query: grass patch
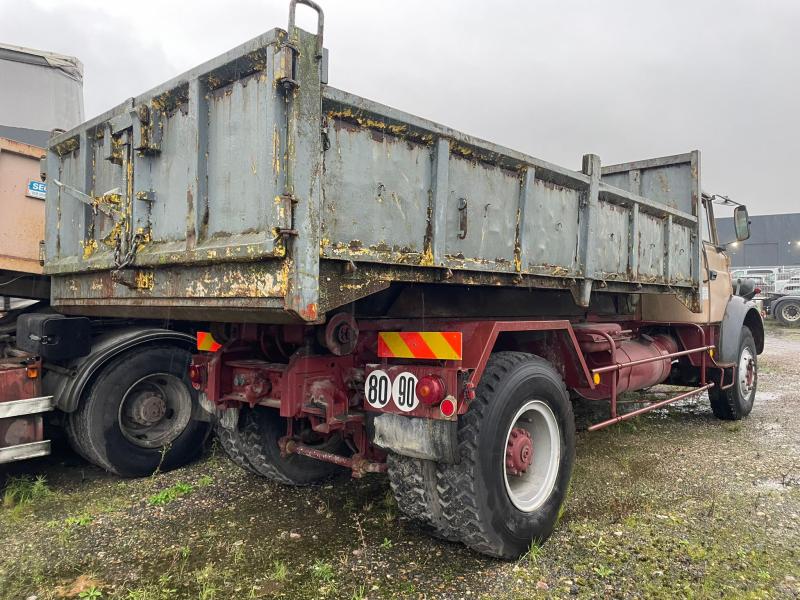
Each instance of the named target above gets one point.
<point>25,490</point>
<point>323,571</point>
<point>79,521</point>
<point>170,494</point>
<point>279,571</point>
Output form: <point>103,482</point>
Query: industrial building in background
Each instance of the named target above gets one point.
<point>774,241</point>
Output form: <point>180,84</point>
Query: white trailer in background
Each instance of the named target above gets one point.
<point>63,365</point>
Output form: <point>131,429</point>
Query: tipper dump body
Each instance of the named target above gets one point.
<point>249,190</point>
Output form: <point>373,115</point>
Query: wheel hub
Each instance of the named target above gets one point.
<point>155,410</point>
<point>148,409</point>
<point>747,373</point>
<point>519,451</point>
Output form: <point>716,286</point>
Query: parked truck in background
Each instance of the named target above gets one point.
<point>60,368</point>
<point>389,294</point>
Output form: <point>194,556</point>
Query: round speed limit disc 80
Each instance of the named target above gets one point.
<point>404,391</point>
<point>378,389</point>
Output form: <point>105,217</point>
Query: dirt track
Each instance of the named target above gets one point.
<point>672,504</point>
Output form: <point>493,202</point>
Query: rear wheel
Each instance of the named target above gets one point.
<point>229,442</point>
<point>413,482</point>
<point>517,449</point>
<point>788,313</point>
<point>138,416</point>
<point>257,435</point>
<point>736,401</point>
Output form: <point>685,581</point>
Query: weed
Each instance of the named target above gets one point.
<point>205,481</point>
<point>603,571</point>
<point>386,544</point>
<point>279,571</point>
<point>238,552</point>
<point>360,593</point>
<point>79,521</point>
<point>696,552</point>
<point>208,591</point>
<point>164,449</point>
<point>183,554</point>
<point>170,494</point>
<point>91,594</point>
<point>24,490</point>
<point>534,553</point>
<point>323,571</point>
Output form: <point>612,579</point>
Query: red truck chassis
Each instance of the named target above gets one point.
<point>597,361</point>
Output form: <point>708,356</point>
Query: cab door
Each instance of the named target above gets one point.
<point>715,278</point>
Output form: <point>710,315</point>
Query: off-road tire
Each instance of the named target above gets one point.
<point>229,442</point>
<point>730,404</point>
<point>257,435</point>
<point>93,428</point>
<point>782,317</point>
<point>414,484</point>
<point>474,500</point>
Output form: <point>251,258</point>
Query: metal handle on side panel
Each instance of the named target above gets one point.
<point>462,218</point>
<point>320,20</point>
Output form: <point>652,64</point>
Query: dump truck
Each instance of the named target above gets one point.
<point>58,368</point>
<point>387,294</point>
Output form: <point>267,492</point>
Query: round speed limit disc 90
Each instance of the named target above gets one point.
<point>404,391</point>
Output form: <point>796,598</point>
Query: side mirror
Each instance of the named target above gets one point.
<point>741,223</point>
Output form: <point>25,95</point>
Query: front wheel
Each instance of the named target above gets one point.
<point>139,415</point>
<point>736,402</point>
<point>517,449</point>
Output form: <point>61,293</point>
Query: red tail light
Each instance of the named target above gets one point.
<point>431,390</point>
<point>196,376</point>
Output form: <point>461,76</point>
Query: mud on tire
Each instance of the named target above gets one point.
<point>229,442</point>
<point>413,482</point>
<point>476,497</point>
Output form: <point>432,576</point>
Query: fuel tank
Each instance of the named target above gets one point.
<point>595,341</point>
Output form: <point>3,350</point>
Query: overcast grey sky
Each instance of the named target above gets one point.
<point>557,79</point>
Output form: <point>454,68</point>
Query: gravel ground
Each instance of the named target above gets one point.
<point>673,504</point>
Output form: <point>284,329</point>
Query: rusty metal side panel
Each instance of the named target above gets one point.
<point>172,215</point>
<point>651,248</point>
<point>390,221</point>
<point>669,247</point>
<point>246,142</point>
<point>552,213</point>
<point>612,241</point>
<point>187,172</point>
<point>405,191</point>
<point>481,215</point>
<point>681,253</point>
<point>176,196</point>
